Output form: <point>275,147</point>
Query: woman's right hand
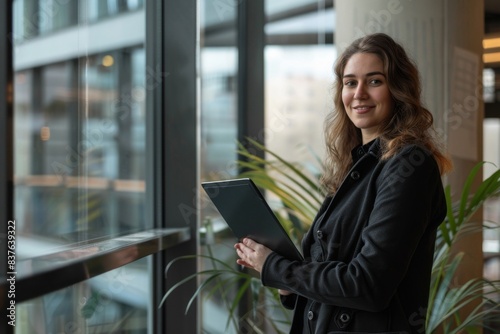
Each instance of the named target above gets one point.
<point>284,292</point>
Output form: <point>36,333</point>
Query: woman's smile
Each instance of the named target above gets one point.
<point>362,109</point>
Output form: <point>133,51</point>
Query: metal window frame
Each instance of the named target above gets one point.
<point>176,169</point>
<point>218,34</point>
<point>251,42</point>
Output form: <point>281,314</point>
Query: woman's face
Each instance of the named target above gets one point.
<point>365,94</point>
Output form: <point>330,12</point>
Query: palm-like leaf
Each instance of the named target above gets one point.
<point>296,189</point>
<point>445,300</point>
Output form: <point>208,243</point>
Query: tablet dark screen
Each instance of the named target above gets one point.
<point>247,213</point>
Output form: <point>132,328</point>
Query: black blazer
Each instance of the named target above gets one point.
<point>369,252</point>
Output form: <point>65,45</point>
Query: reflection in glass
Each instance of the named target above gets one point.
<point>81,145</point>
<point>219,114</point>
<point>79,140</point>
<point>275,7</point>
<point>298,97</point>
<point>114,302</point>
<point>491,208</point>
<point>92,10</point>
<point>54,15</point>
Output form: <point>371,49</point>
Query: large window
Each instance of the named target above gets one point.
<point>299,61</point>
<point>80,143</point>
<point>80,157</point>
<point>115,302</point>
<point>94,180</point>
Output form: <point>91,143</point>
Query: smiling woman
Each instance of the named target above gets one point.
<point>369,252</point>
<point>409,121</point>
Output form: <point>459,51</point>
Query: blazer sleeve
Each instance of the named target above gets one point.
<point>409,198</point>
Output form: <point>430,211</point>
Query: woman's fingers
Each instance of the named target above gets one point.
<point>251,254</point>
<point>250,243</point>
<point>243,263</point>
<point>243,258</point>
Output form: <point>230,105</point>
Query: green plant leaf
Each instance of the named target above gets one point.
<point>311,184</point>
<point>446,301</point>
<point>466,190</point>
<point>448,230</point>
<point>240,293</point>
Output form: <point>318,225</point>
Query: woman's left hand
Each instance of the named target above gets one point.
<point>251,254</point>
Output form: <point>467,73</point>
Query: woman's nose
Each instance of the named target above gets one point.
<point>360,92</point>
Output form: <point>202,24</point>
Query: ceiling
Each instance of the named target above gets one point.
<point>491,16</point>
<point>492,6</point>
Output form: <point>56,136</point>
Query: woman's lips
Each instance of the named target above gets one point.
<point>362,109</point>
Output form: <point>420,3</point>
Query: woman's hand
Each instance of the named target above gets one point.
<point>251,254</point>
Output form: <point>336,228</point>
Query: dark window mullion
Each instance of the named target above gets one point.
<point>154,147</point>
<point>251,41</point>
<point>179,156</point>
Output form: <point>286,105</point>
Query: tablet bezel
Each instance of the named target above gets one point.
<point>247,213</point>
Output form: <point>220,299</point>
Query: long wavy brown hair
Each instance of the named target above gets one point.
<point>411,122</point>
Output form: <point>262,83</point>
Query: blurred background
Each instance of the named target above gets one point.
<point>80,135</point>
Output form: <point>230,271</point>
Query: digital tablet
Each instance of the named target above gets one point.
<point>247,214</point>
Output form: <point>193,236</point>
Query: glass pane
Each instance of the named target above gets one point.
<point>219,113</point>
<point>297,98</point>
<point>274,7</point>
<point>28,27</point>
<point>80,146</point>
<point>317,22</point>
<point>79,140</point>
<point>134,4</point>
<point>491,209</point>
<point>219,67</point>
<point>54,14</point>
<point>218,13</point>
<point>91,10</point>
<point>114,302</point>
<point>298,80</point>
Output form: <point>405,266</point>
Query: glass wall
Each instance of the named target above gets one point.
<point>80,154</point>
<point>114,302</point>
<point>299,61</point>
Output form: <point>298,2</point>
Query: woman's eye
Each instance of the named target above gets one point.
<point>375,81</point>
<point>350,83</point>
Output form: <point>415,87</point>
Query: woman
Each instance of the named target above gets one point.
<point>369,252</point>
